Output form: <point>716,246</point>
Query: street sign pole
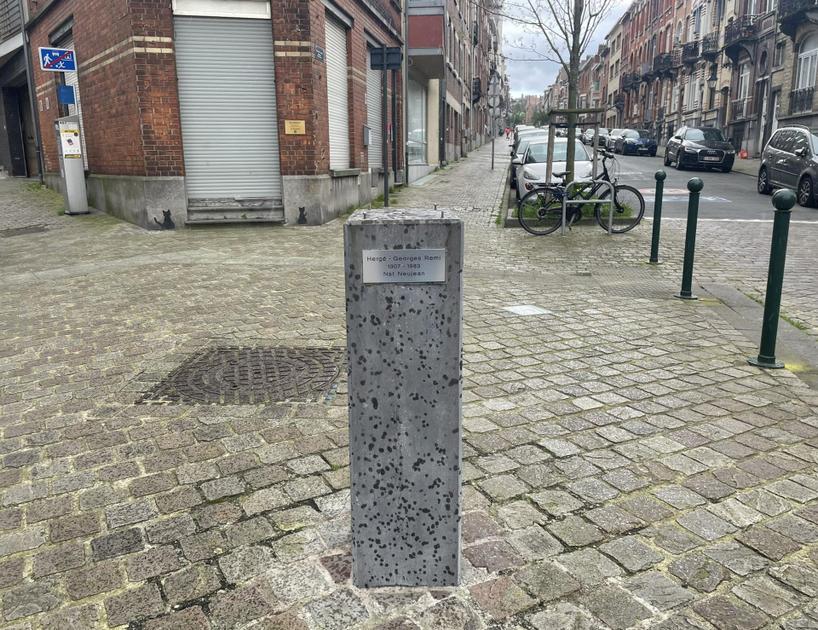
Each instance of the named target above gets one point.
<point>494,103</point>
<point>385,130</point>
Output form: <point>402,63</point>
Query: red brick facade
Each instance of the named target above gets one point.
<point>129,92</point>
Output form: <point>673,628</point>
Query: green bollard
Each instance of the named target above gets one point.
<point>783,201</point>
<point>695,186</point>
<point>660,176</point>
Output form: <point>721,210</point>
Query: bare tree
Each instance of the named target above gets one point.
<point>562,30</point>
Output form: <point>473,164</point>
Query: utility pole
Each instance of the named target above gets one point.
<point>494,104</point>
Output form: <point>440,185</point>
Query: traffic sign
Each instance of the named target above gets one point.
<point>58,60</point>
<point>394,58</point>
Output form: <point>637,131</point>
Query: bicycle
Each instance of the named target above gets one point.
<point>540,210</point>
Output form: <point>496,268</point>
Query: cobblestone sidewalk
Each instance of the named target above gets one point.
<point>624,466</point>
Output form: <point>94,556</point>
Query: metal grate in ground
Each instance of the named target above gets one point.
<point>236,375</point>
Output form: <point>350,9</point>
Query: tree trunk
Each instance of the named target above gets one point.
<point>573,85</point>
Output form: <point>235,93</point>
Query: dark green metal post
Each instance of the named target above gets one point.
<point>660,176</point>
<point>695,186</point>
<point>783,201</point>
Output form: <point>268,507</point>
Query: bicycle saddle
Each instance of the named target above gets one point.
<point>561,174</point>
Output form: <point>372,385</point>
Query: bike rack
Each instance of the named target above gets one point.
<point>592,182</point>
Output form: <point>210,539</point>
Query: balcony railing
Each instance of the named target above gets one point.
<point>676,57</point>
<point>710,45</point>
<point>741,108</point>
<point>801,100</point>
<point>662,63</point>
<point>10,21</point>
<point>741,29</point>
<point>690,52</point>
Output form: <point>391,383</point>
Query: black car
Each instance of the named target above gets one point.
<point>790,160</point>
<point>635,142</point>
<point>700,147</point>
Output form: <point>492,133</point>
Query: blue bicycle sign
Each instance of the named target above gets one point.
<point>58,60</point>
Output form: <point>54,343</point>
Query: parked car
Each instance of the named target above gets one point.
<point>526,133</point>
<point>532,169</point>
<point>610,140</point>
<point>519,152</point>
<point>637,142</point>
<point>790,160</point>
<point>588,136</point>
<point>700,147</point>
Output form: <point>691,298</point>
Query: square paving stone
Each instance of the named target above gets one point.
<point>736,557</point>
<point>117,544</point>
<point>132,605</point>
<point>614,520</point>
<point>245,563</point>
<point>546,581</point>
<point>794,527</point>
<point>337,611</point>
<point>588,566</point>
<point>593,490</point>
<point>679,497</point>
<point>501,598</point>
<point>556,502</point>
<point>233,609</point>
<point>801,576</point>
<point>191,583</point>
<point>520,514</point>
<point>646,508</point>
<point>534,543</point>
<point>632,553</point>
<point>729,613</point>
<point>563,616</point>
<point>339,566</point>
<point>493,556</point>
<point>708,486</point>
<point>765,502</point>
<point>704,524</point>
<point>699,571</point>
<point>478,525</point>
<point>575,531</point>
<point>152,562</point>
<point>765,594</point>
<point>658,589</point>
<point>30,599</point>
<point>735,512</point>
<point>767,542</point>
<point>791,490</point>
<point>503,487</point>
<point>615,606</point>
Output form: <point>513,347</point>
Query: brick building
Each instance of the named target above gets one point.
<point>223,110</point>
<point>798,21</point>
<point>454,51</point>
<point>18,145</point>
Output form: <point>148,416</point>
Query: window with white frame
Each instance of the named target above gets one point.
<point>807,62</point>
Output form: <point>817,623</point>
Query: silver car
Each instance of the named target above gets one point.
<point>518,152</point>
<point>532,169</point>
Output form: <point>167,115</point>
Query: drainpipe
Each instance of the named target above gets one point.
<point>32,95</point>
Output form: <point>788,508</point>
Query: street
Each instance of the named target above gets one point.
<point>725,195</point>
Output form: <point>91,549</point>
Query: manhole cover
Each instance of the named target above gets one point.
<point>28,229</point>
<point>250,375</point>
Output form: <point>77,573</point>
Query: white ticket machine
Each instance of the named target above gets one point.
<point>72,169</point>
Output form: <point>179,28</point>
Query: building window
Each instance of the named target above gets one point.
<point>807,62</point>
<point>416,119</point>
<point>778,58</point>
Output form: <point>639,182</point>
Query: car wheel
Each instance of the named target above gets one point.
<point>653,154</point>
<point>667,158</point>
<point>764,187</point>
<point>726,169</point>
<point>679,165</point>
<point>806,192</point>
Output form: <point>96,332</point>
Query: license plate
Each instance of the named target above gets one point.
<point>712,158</point>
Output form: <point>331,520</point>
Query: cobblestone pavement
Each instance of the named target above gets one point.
<point>624,466</point>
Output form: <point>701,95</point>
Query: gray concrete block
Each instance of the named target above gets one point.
<point>404,341</point>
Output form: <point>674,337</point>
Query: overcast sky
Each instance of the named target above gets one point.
<point>532,77</point>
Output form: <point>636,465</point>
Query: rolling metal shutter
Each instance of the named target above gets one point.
<point>227,102</point>
<point>374,117</point>
<point>72,79</point>
<point>337,93</point>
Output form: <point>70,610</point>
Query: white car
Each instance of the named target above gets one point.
<point>531,172</point>
<point>518,152</point>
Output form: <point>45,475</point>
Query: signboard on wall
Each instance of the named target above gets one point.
<point>295,127</point>
<point>58,60</point>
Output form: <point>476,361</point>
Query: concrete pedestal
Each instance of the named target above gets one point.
<point>404,335</point>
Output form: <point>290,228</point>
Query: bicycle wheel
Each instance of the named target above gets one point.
<point>539,212</point>
<point>629,208</point>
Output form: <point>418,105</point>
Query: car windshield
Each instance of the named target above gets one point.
<point>524,144</point>
<point>538,152</point>
<point>701,135</point>
<point>617,132</point>
<point>813,134</point>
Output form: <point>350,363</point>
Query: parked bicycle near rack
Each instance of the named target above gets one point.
<point>540,211</point>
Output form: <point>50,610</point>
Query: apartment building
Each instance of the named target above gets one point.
<point>798,23</point>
